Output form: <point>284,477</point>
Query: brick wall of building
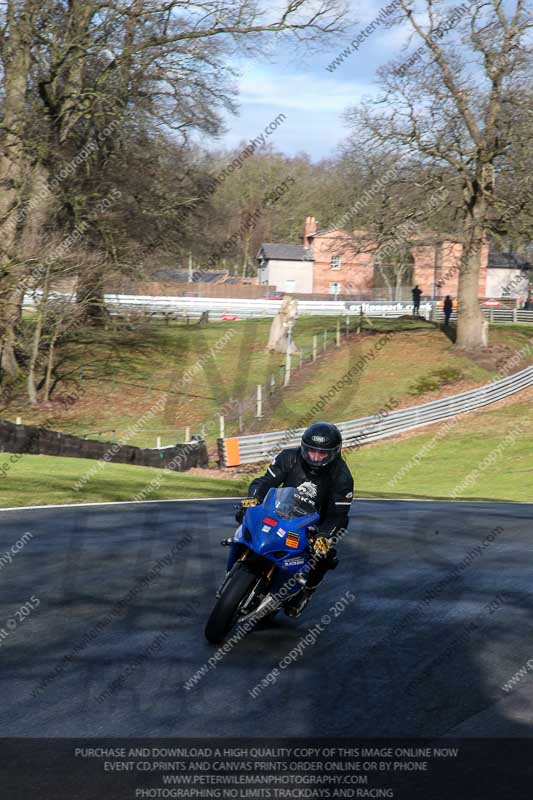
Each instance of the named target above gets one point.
<point>432,262</point>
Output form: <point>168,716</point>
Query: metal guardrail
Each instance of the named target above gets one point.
<point>263,446</point>
<point>193,307</point>
<point>246,308</point>
<point>252,308</point>
<point>495,315</point>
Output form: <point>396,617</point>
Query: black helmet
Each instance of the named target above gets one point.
<point>321,444</point>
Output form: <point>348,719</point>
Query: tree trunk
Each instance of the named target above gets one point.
<point>16,58</point>
<point>36,214</point>
<point>90,296</point>
<point>472,327</point>
<point>41,311</point>
<point>11,309</point>
<point>246,255</point>
<point>32,391</point>
<point>50,367</point>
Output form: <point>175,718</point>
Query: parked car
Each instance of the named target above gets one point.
<point>228,316</point>
<point>275,296</point>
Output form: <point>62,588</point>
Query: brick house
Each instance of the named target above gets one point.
<point>335,262</point>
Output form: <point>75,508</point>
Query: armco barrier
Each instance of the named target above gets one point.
<point>263,446</point>
<point>246,308</point>
<point>41,441</point>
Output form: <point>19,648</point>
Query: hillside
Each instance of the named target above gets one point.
<point>183,376</point>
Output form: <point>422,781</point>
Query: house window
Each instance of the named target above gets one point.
<point>334,288</point>
<point>335,262</point>
<point>290,285</point>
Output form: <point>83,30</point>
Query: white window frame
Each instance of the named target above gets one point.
<point>335,262</point>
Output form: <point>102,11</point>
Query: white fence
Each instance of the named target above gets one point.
<point>263,446</point>
<point>495,315</point>
<point>244,308</point>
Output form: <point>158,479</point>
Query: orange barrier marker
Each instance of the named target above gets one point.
<point>233,452</point>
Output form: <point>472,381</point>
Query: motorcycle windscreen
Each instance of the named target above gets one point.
<point>287,504</point>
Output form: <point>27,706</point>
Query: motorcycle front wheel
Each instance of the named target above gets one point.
<point>224,614</point>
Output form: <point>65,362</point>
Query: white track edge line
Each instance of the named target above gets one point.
<point>204,499</point>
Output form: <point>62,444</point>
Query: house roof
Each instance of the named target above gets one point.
<point>182,276</point>
<point>507,261</point>
<point>322,231</point>
<point>284,252</point>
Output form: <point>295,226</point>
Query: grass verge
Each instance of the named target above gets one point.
<point>47,480</point>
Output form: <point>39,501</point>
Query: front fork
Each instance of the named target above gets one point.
<point>234,550</point>
<point>239,552</point>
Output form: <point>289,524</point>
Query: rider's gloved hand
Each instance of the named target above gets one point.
<point>242,508</point>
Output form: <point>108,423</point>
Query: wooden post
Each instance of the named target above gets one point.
<point>222,426</point>
<point>338,339</point>
<point>315,346</point>
<point>158,443</point>
<point>187,434</point>
<point>287,378</point>
<point>259,413</point>
<point>347,325</point>
<point>325,347</point>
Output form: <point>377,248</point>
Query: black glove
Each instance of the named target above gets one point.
<point>240,511</point>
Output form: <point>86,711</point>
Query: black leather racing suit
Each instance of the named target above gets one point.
<point>334,495</point>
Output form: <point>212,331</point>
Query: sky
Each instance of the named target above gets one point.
<point>312,98</point>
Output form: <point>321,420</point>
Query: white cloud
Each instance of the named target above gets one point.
<point>299,92</point>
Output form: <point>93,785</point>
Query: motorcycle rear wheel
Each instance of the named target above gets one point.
<point>224,614</point>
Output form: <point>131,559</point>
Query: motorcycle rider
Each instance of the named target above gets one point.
<point>318,468</point>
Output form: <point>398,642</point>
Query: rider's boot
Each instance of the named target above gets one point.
<point>296,604</point>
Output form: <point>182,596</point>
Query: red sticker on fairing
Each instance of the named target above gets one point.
<point>270,521</point>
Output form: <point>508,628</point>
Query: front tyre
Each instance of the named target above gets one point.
<point>225,611</point>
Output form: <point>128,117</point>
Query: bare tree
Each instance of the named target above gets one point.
<point>455,110</point>
<point>85,71</point>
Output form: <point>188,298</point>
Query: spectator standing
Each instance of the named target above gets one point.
<point>448,308</point>
<point>417,294</point>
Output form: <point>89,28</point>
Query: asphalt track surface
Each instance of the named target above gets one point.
<point>422,650</point>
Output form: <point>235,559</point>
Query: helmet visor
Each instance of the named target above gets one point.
<point>319,456</point>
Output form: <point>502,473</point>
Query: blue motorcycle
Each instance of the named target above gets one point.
<point>268,560</point>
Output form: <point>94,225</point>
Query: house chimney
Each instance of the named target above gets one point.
<point>309,230</point>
